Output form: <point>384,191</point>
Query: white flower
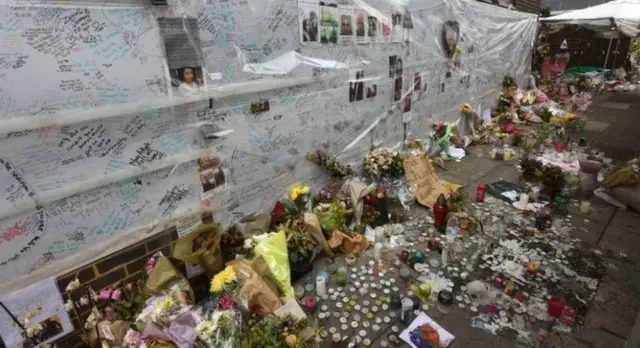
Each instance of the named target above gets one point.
<point>74,284</point>
<point>385,167</point>
<point>29,332</point>
<point>248,243</point>
<point>68,306</point>
<point>84,300</point>
<point>94,295</point>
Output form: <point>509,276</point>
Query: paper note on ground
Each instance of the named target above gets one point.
<point>53,317</point>
<point>424,181</point>
<point>445,336</point>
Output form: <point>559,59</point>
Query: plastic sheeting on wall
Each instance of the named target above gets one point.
<point>104,107</point>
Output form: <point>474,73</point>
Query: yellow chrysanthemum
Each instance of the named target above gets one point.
<point>465,108</point>
<point>571,116</point>
<point>298,191</point>
<point>223,278</point>
<point>556,120</point>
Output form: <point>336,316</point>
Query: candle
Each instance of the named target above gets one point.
<point>524,200</point>
<point>445,256</point>
<point>507,155</point>
<point>377,251</point>
<point>299,291</point>
<point>321,286</point>
<point>310,304</point>
<point>407,310</point>
<point>585,206</point>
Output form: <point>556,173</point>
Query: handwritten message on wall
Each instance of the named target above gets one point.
<point>66,187</point>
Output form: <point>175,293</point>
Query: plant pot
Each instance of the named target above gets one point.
<point>300,268</point>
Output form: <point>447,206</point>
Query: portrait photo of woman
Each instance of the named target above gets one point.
<point>187,80</point>
<point>310,28</point>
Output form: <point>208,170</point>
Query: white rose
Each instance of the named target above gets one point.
<point>74,284</point>
<point>30,332</point>
<point>84,300</point>
<point>68,306</point>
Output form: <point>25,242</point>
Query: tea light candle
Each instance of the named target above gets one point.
<point>350,259</point>
<point>321,286</point>
<point>524,200</point>
<point>585,206</point>
<point>377,251</point>
<point>507,155</point>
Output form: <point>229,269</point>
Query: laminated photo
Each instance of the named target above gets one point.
<point>329,23</point>
<point>396,27</point>
<point>361,26</point>
<point>356,86</point>
<point>183,50</point>
<point>347,25</point>
<point>373,29</point>
<point>309,21</point>
<point>385,24</point>
<point>213,175</point>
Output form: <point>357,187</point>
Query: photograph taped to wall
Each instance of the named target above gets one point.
<point>347,25</point>
<point>384,21</point>
<point>395,66</point>
<point>397,89</point>
<point>309,21</point>
<point>361,26</point>
<point>213,175</point>
<point>329,23</point>
<point>373,29</point>
<point>184,54</point>
<point>372,90</point>
<point>396,27</point>
<point>259,107</point>
<point>356,85</point>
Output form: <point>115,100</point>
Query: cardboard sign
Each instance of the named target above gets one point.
<point>424,180</point>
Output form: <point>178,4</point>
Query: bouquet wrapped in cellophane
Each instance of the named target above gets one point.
<point>201,247</point>
<point>220,329</point>
<point>246,287</point>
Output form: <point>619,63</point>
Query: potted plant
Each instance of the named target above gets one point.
<point>531,169</point>
<point>553,180</point>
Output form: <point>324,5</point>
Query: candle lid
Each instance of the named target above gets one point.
<point>445,297</point>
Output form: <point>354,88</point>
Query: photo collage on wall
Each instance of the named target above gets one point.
<point>184,67</point>
<point>325,22</point>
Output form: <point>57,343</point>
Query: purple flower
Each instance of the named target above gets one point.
<point>105,295</point>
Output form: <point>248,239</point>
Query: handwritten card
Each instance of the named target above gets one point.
<point>424,180</point>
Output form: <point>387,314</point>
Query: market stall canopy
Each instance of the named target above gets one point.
<point>624,13</point>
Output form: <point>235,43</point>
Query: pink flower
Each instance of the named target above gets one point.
<point>151,262</point>
<point>108,311</point>
<point>129,287</point>
<point>132,337</point>
<point>225,302</point>
<point>116,295</point>
<point>104,295</point>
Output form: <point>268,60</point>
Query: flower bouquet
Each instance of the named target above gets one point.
<point>299,196</point>
<point>330,163</point>
<point>233,244</point>
<point>169,320</point>
<point>167,309</point>
<point>300,244</point>
<point>202,247</point>
<point>239,281</point>
<point>165,277</point>
<point>124,301</point>
<point>332,215</point>
<point>383,163</point>
<point>220,329</point>
<point>377,198</point>
<point>279,332</point>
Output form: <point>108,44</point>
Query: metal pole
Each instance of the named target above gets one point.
<point>606,58</point>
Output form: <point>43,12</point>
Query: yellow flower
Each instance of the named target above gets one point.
<point>298,191</point>
<point>465,108</point>
<point>557,120</point>
<point>571,116</point>
<point>502,135</point>
<point>168,303</point>
<point>223,278</point>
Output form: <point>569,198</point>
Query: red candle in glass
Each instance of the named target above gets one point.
<point>555,307</point>
<point>440,211</point>
<point>310,303</point>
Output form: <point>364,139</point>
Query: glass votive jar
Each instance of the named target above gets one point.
<point>341,276</point>
<point>350,259</point>
<point>445,301</point>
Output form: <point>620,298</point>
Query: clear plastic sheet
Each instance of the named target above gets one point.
<point>118,117</point>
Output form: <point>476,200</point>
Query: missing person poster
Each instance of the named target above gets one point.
<point>184,55</point>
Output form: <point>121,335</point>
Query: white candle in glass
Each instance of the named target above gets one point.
<point>524,200</point>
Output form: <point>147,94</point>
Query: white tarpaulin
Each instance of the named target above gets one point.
<point>624,13</point>
<point>102,104</point>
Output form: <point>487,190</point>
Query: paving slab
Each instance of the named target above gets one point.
<point>615,307</point>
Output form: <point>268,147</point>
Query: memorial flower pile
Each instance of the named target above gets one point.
<point>220,329</point>
<point>383,163</point>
